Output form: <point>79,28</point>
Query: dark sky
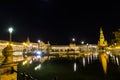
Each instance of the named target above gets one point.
<point>58,21</point>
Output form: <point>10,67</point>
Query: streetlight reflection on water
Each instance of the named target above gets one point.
<point>83,61</point>
<point>75,65</point>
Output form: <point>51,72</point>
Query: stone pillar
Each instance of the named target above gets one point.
<point>8,54</point>
<point>8,69</point>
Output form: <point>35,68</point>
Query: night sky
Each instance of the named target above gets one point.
<point>58,21</point>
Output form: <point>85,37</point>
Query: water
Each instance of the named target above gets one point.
<point>70,68</point>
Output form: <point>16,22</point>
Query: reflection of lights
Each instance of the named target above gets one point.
<point>104,59</point>
<point>74,67</point>
<point>83,61</point>
<point>30,61</point>
<point>38,67</point>
<point>91,57</point>
<point>108,52</point>
<point>35,58</point>
<point>24,62</point>
<point>113,58</point>
<point>111,55</point>
<point>94,56</point>
<point>38,56</point>
<point>88,59</point>
<point>117,61</point>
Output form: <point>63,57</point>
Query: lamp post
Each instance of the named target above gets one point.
<point>82,42</point>
<point>10,31</point>
<point>73,40</point>
<point>38,44</point>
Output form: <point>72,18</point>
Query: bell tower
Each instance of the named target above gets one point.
<point>102,43</point>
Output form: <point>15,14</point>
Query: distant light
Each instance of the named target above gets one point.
<point>73,39</point>
<point>82,42</point>
<point>39,52</point>
<point>38,41</point>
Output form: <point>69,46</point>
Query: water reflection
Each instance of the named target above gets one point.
<point>37,67</point>
<point>87,65</point>
<point>104,60</point>
<point>88,59</point>
<point>75,66</point>
<point>117,61</point>
<point>83,61</point>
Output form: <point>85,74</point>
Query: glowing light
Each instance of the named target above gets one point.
<point>74,67</point>
<point>37,67</point>
<point>10,29</point>
<point>38,56</point>
<point>88,59</point>
<point>7,43</point>
<point>38,41</point>
<point>24,62</point>
<point>82,42</point>
<point>39,52</point>
<point>91,58</point>
<point>113,57</point>
<point>24,44</point>
<point>30,61</point>
<point>83,61</point>
<point>117,61</point>
<point>73,39</point>
<point>94,56</point>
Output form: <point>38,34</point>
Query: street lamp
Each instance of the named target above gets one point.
<point>38,44</point>
<point>82,42</point>
<point>73,39</point>
<point>10,31</point>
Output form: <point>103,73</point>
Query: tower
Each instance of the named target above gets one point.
<point>102,43</point>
